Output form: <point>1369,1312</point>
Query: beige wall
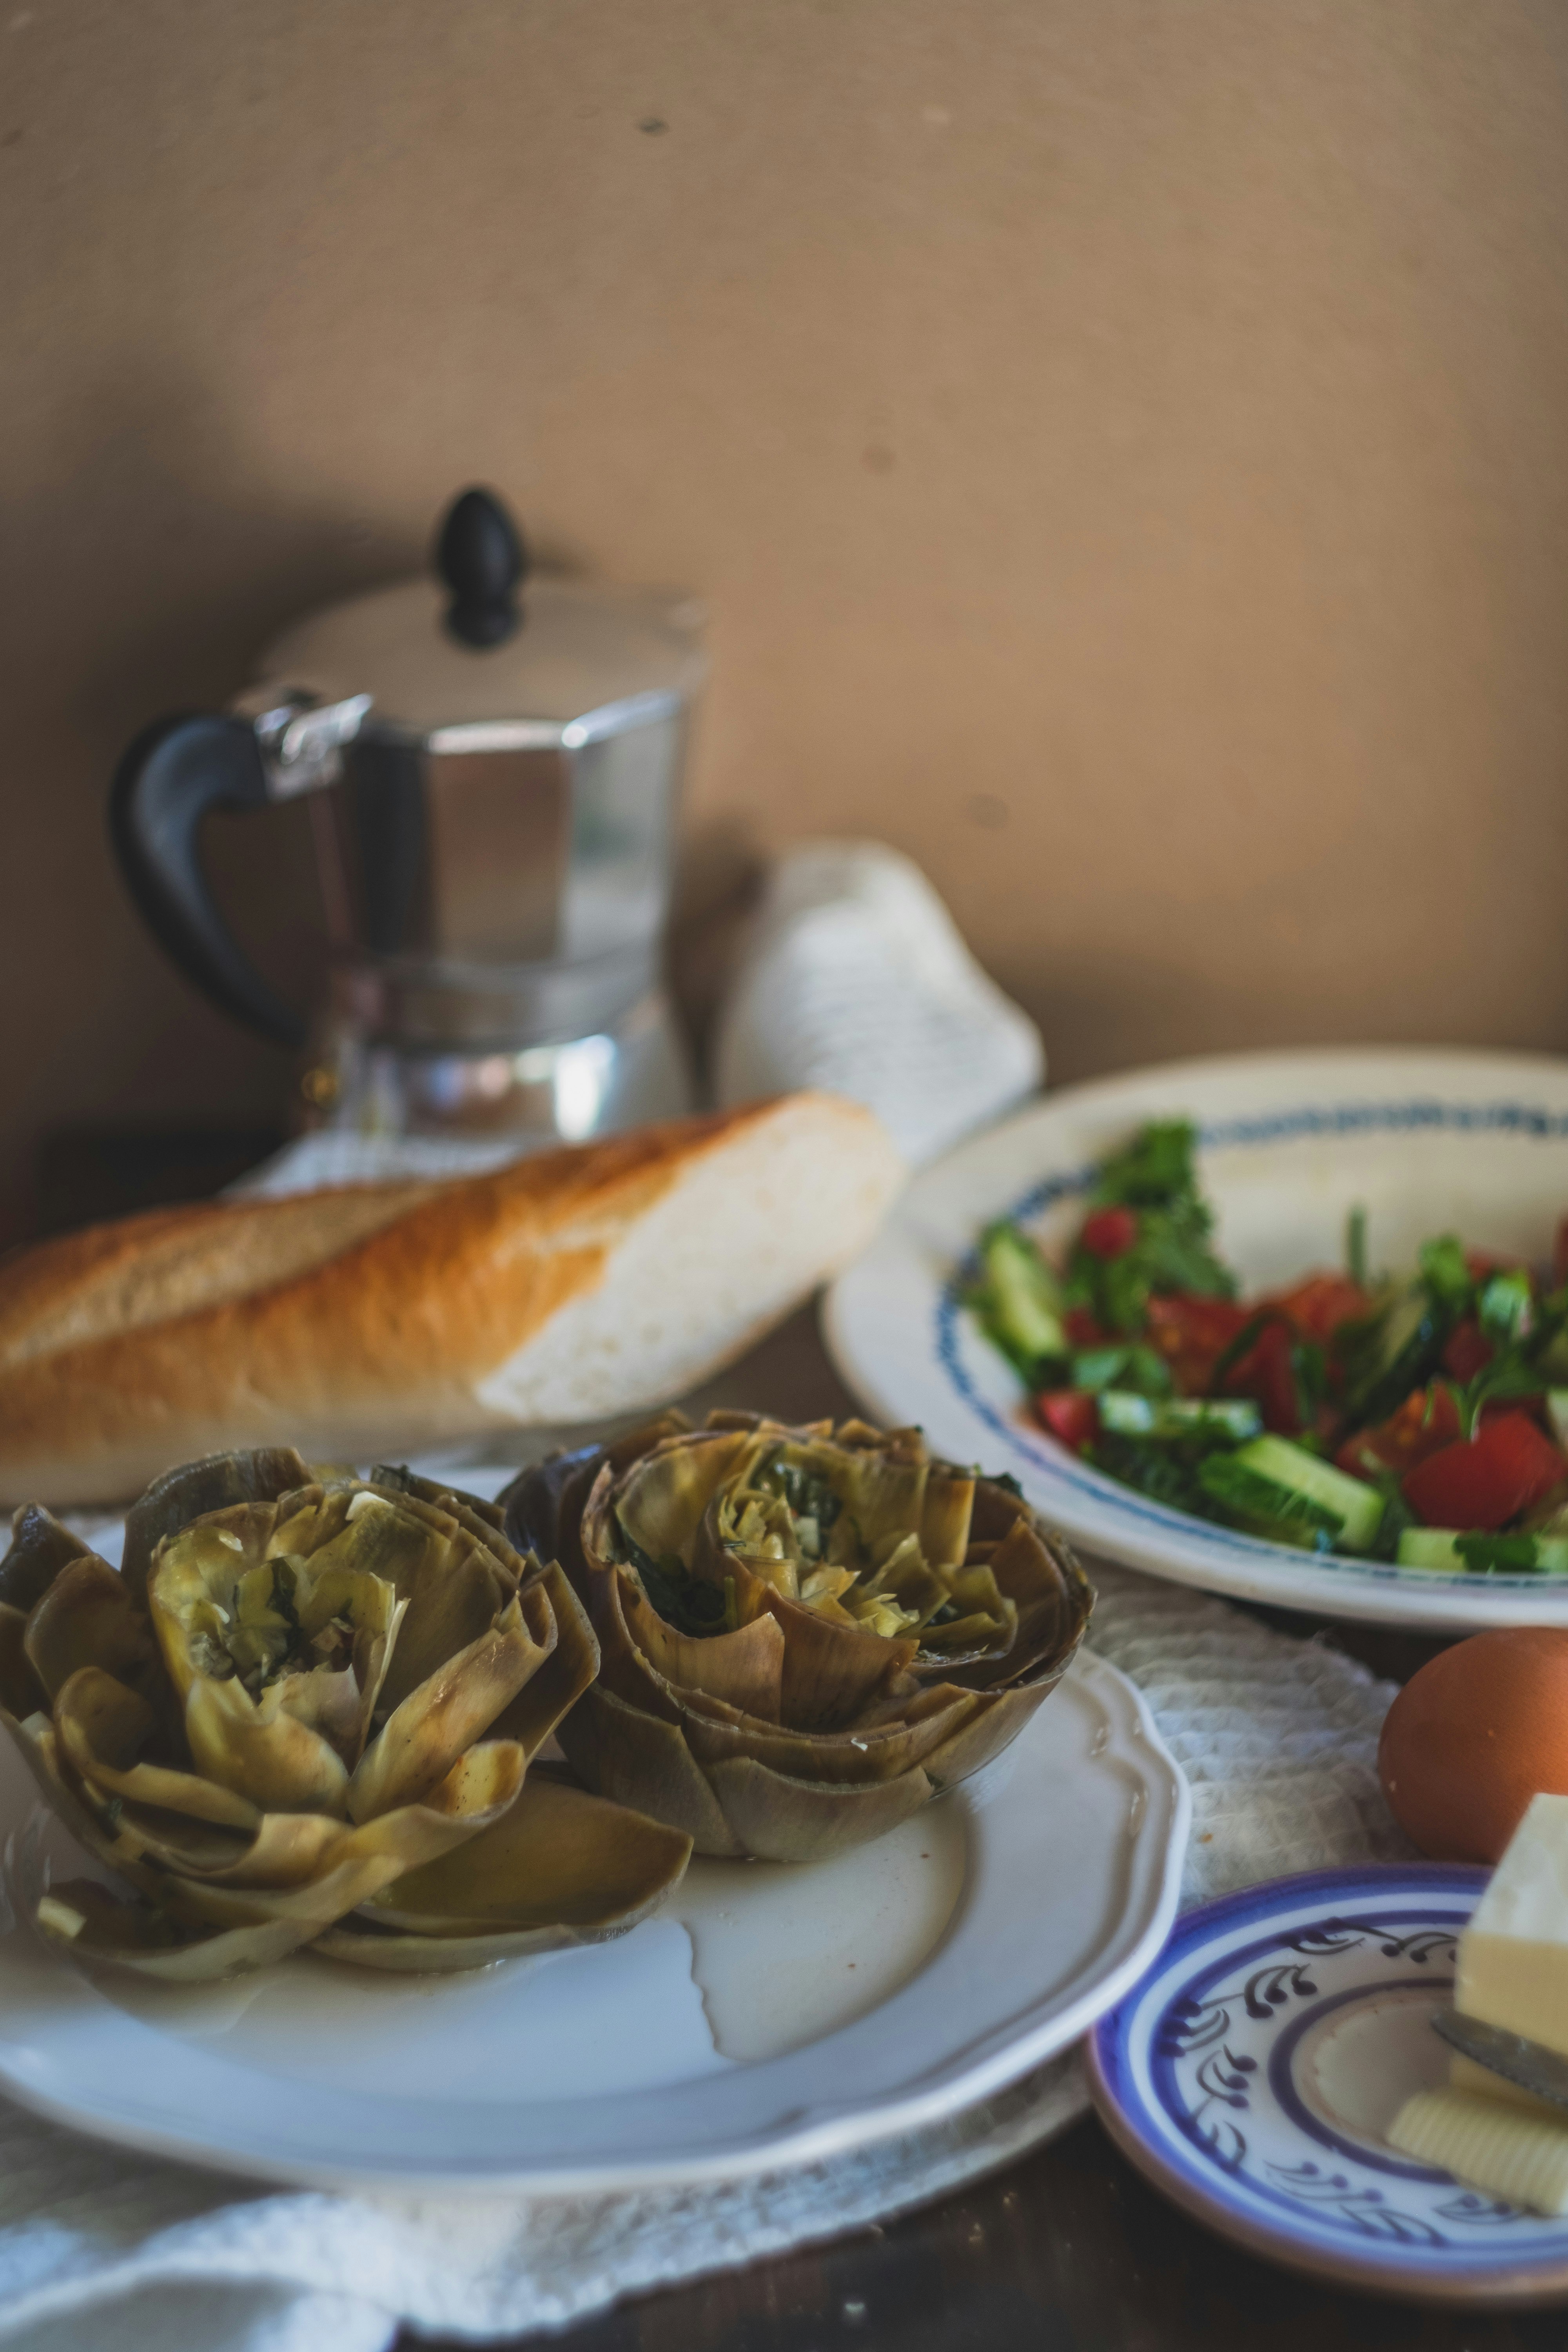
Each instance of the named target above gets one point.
<point>1124,446</point>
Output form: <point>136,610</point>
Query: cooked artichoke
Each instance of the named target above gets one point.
<point>302,1713</point>
<point>804,1633</point>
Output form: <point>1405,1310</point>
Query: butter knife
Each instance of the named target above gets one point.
<point>1519,2061</point>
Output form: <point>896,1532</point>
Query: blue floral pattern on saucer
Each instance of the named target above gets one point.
<point>1253,2072</point>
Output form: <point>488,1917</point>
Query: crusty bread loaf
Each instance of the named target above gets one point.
<point>583,1282</point>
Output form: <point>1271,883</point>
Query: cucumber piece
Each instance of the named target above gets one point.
<point>1023,1297</point>
<point>1557,1412</point>
<point>1455,1552</point>
<point>1245,1498</point>
<point>1130,1414</point>
<point>1429,1548</point>
<point>1357,1506</point>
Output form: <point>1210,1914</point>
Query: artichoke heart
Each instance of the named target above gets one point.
<point>804,1633</point>
<point>300,1692</point>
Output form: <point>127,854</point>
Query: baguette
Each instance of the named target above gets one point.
<point>583,1282</point>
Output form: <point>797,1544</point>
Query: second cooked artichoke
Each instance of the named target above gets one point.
<point>804,1633</point>
<point>304,1713</point>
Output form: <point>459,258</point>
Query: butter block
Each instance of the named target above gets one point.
<point>1513,1956</point>
<point>1488,2145</point>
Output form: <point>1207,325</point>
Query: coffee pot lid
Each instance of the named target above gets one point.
<point>487,642</point>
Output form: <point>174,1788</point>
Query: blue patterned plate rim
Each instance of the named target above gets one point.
<point>1194,2075</point>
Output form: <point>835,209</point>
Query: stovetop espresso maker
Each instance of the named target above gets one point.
<point>493,763</point>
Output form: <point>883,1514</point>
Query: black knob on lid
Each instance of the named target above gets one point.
<point>480,556</point>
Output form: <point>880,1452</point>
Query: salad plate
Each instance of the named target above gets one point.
<point>771,2013</point>
<point>1287,1147</point>
<point>1254,2073</point>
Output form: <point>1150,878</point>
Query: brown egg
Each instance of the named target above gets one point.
<point>1472,1738</point>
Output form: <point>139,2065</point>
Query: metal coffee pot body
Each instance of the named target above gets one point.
<point>493,766</point>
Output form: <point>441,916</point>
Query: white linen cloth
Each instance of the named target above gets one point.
<point>856,978</point>
<point>105,2251</point>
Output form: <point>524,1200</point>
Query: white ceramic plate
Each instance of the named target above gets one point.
<point>1254,2073</point>
<point>773,2014</point>
<point>1288,1143</point>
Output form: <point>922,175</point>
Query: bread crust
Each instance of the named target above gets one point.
<point>384,1340</point>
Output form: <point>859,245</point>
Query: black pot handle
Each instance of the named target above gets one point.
<point>175,771</point>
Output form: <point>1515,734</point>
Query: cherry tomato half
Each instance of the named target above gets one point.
<point>1509,1465</point>
<point>1070,1414</point>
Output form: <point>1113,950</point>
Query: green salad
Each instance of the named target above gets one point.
<point>1417,1417</point>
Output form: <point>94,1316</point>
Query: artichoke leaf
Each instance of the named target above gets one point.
<point>20,1690</point>
<point>570,1665</point>
<point>457,1595</point>
<point>40,1548</point>
<point>103,1727</point>
<point>196,1489</point>
<point>623,1668</point>
<point>833,1672</point>
<point>360,1529</point>
<point>261,1749</point>
<point>290,1849</point>
<point>661,1505</point>
<point>906,1579</point>
<point>35,1741</point>
<point>284,1849</point>
<point>87,1618</point>
<point>356,1943</point>
<point>635,1760</point>
<point>425,1735</point>
<point>976,1590</point>
<point>744,1667</point>
<point>945,1516</point>
<point>1023,1569</point>
<point>348,1879</point>
<point>229,1597</point>
<point>850,1758</point>
<point>86,1921</point>
<point>543,1507</point>
<point>558,1857</point>
<point>883,1498</point>
<point>780,1819</point>
<point>1053,1599</point>
<point>973,1637</point>
<point>998,1718</point>
<point>401,1480</point>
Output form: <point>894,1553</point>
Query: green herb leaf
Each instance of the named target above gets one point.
<point>690,1603</point>
<point>1153,1170</point>
<point>1155,1176</point>
<point>808,1495</point>
<point>1397,1513</point>
<point>1445,1273</point>
<point>1166,1469</point>
<point>1506,1306</point>
<point>1499,1554</point>
<point>1134,1367</point>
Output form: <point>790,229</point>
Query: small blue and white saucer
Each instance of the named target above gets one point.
<point>1253,2074</point>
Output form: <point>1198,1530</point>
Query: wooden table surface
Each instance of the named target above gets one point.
<point>1069,2249</point>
